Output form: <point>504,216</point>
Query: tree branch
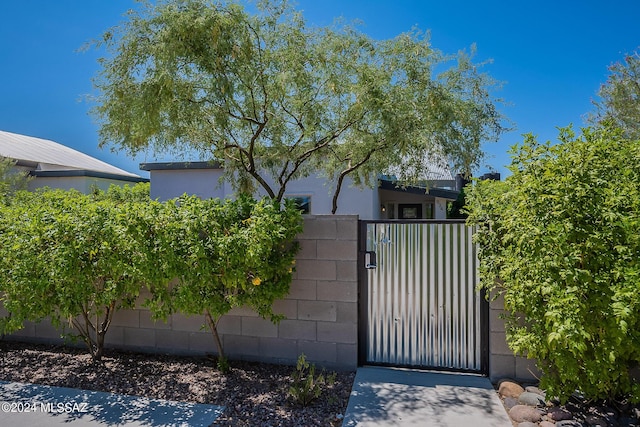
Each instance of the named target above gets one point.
<point>344,173</point>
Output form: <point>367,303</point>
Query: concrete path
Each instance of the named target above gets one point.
<point>393,397</point>
<point>28,405</point>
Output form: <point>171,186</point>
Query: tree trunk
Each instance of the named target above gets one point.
<point>222,360</point>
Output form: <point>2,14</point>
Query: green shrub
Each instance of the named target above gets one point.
<point>73,258</point>
<point>77,258</point>
<point>226,254</point>
<point>307,386</point>
<point>562,234</point>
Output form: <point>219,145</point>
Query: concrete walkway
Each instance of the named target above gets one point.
<point>28,405</point>
<point>393,397</point>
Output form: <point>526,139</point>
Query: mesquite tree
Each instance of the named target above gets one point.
<point>619,97</point>
<point>274,100</point>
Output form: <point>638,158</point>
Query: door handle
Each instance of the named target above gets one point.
<point>370,261</point>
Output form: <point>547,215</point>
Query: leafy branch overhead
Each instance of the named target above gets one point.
<point>619,97</point>
<point>275,100</point>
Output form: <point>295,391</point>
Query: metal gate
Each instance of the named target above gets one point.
<point>419,305</point>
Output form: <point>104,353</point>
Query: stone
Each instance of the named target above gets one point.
<point>522,413</point>
<point>547,424</point>
<point>536,390</point>
<point>510,402</point>
<point>531,399</point>
<point>559,414</point>
<point>527,424</point>
<point>510,389</point>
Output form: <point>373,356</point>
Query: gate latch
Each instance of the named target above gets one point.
<point>370,260</point>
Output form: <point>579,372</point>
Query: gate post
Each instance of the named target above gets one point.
<point>363,294</point>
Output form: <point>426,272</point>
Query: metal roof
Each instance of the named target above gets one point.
<point>49,155</point>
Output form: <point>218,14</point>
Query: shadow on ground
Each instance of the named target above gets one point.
<point>60,405</point>
<point>397,397</point>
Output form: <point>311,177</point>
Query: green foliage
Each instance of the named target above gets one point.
<point>562,235</point>
<point>620,96</point>
<point>307,386</point>
<point>455,208</point>
<point>78,258</point>
<point>71,257</point>
<point>227,254</point>
<point>275,100</point>
<point>11,179</point>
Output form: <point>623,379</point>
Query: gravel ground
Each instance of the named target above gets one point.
<point>254,394</point>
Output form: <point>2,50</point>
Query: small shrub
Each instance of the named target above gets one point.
<point>223,365</point>
<point>306,385</point>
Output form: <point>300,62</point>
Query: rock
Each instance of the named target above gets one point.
<point>510,402</point>
<point>527,424</point>
<point>547,424</point>
<point>531,399</point>
<point>559,414</point>
<point>510,389</point>
<point>536,390</point>
<point>522,413</point>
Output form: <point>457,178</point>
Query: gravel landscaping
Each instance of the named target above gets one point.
<point>528,406</point>
<point>254,394</point>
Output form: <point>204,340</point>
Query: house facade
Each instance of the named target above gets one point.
<point>57,166</point>
<point>313,193</point>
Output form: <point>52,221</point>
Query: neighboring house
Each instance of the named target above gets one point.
<point>57,166</point>
<point>169,180</point>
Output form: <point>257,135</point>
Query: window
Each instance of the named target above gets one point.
<point>410,211</point>
<point>303,203</point>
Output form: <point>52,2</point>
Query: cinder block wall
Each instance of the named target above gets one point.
<point>321,311</point>
<point>502,362</point>
<point>321,315</point>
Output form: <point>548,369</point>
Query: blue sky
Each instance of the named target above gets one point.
<point>551,55</point>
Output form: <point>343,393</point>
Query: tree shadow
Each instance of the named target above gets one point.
<point>61,405</point>
<point>394,397</point>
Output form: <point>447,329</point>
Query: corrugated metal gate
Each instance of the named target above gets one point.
<point>419,305</point>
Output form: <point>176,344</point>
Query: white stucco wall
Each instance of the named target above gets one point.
<point>440,208</point>
<point>205,183</point>
<point>84,184</point>
<point>351,201</point>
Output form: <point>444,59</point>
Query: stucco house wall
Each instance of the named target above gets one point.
<point>169,180</point>
<point>83,183</point>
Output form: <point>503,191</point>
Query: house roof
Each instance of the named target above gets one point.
<point>168,166</point>
<point>444,193</point>
<point>46,155</point>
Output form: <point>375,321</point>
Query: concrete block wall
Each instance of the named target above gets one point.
<point>321,311</point>
<point>502,362</point>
